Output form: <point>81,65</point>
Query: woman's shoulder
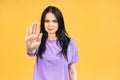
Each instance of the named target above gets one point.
<point>72,41</point>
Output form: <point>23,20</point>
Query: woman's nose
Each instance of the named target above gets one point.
<point>51,24</point>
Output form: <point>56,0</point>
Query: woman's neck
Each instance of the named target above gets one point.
<point>52,37</point>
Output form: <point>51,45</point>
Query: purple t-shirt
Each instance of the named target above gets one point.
<point>53,66</point>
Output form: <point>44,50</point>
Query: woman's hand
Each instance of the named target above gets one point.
<point>33,37</point>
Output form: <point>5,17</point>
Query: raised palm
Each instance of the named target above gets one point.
<point>33,37</point>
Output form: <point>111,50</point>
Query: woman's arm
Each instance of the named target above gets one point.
<point>72,72</point>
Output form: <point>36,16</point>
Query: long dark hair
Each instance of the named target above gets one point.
<point>61,33</point>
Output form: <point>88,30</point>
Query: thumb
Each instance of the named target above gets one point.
<point>39,37</point>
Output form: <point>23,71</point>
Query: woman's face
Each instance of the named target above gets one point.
<point>51,23</point>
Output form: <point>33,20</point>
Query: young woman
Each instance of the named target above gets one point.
<point>55,52</point>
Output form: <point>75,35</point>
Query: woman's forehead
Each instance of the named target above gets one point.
<point>50,15</point>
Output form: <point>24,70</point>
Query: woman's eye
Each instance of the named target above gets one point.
<point>46,20</point>
<point>55,21</point>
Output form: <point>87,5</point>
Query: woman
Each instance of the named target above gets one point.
<point>56,53</point>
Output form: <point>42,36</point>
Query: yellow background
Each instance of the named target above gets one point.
<point>93,24</point>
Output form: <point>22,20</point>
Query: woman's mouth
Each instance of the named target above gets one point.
<point>50,29</point>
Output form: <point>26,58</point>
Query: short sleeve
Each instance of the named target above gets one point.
<point>74,52</point>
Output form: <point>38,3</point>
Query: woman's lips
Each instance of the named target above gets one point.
<point>50,29</point>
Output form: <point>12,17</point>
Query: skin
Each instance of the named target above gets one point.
<point>33,38</point>
<point>72,71</point>
<point>51,25</point>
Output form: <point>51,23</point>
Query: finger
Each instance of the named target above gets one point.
<point>34,27</point>
<point>31,29</point>
<point>39,37</point>
<point>38,28</point>
<point>27,31</point>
